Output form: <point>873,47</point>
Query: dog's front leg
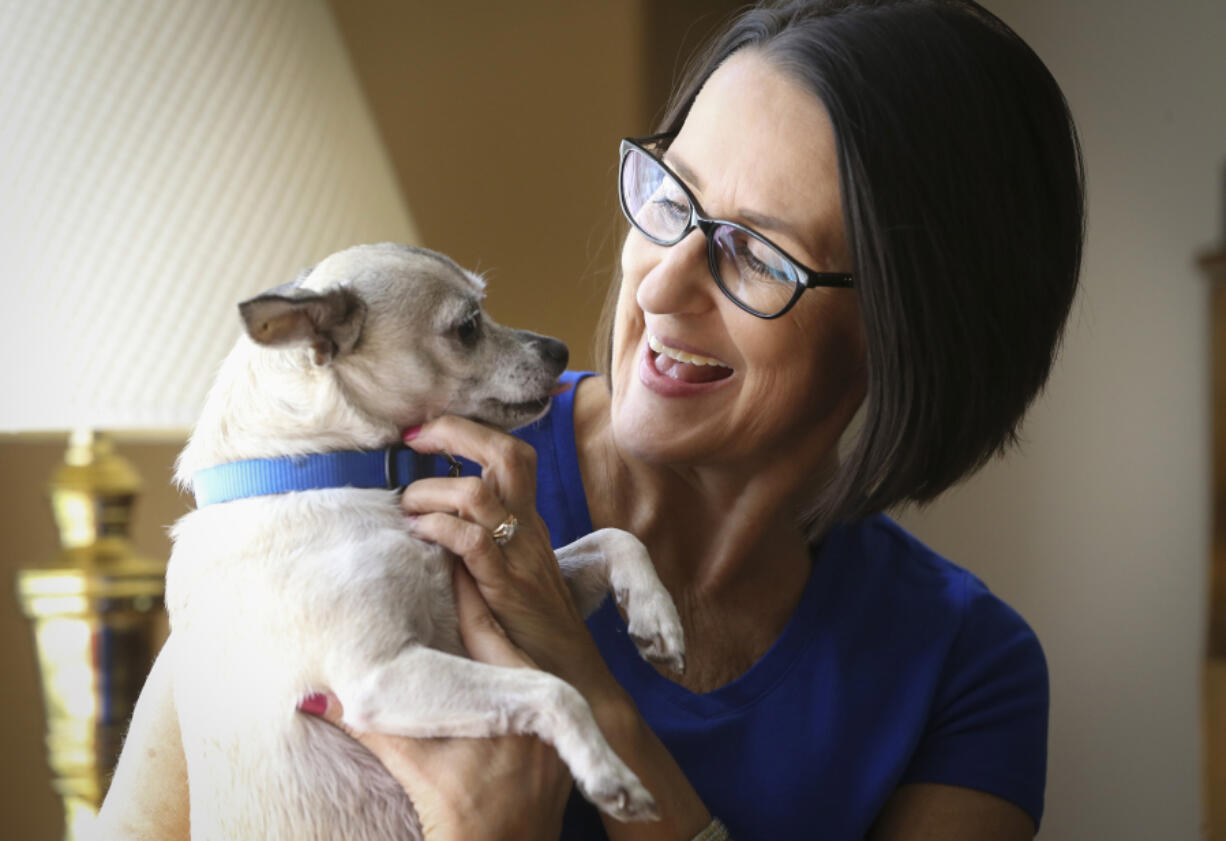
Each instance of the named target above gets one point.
<point>612,559</point>
<point>426,693</point>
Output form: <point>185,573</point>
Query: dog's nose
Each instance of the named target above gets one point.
<point>553,350</point>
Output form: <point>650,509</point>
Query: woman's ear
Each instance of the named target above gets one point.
<point>329,322</point>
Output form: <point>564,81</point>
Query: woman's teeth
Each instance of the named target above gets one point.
<point>680,355</point>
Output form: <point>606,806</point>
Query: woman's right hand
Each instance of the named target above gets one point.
<point>505,787</point>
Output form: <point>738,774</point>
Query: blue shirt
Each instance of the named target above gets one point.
<point>896,667</point>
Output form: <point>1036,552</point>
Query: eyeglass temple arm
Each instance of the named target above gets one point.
<point>844,281</point>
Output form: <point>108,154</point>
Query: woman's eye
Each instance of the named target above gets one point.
<point>673,209</point>
<point>755,265</point>
<point>761,269</point>
<point>469,331</point>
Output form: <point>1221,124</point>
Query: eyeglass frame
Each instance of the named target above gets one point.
<point>707,224</point>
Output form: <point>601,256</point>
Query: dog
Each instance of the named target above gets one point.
<point>275,596</point>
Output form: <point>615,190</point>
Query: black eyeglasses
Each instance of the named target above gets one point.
<point>757,275</point>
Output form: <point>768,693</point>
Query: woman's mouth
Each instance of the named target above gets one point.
<point>683,366</point>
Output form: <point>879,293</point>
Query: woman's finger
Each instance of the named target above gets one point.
<point>324,705</point>
<point>508,463</point>
<point>468,497</point>
<point>400,756</point>
<point>483,637</point>
<point>473,543</point>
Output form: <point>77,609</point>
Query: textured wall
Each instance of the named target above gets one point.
<point>156,168</point>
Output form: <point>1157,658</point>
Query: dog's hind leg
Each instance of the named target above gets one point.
<point>426,693</point>
<point>612,559</point>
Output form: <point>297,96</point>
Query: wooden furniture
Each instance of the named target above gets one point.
<point>1214,265</point>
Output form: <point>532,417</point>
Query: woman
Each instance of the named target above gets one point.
<point>902,191</point>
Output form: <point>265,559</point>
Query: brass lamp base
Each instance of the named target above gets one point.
<point>98,621</point>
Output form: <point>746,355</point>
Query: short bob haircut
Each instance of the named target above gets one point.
<point>963,207</point>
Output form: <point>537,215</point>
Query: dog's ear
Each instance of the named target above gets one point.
<point>290,289</point>
<point>329,322</point>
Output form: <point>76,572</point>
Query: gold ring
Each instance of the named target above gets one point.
<point>505,530</point>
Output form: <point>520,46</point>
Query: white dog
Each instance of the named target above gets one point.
<point>272,597</point>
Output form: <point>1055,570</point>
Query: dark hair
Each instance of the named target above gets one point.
<point>962,190</point>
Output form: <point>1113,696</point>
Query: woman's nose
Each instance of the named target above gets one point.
<point>678,278</point>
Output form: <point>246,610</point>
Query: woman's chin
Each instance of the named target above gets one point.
<point>654,437</point>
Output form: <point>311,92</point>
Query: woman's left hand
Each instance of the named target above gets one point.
<point>519,579</point>
<point>522,584</point>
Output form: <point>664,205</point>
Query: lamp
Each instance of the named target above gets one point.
<point>159,161</point>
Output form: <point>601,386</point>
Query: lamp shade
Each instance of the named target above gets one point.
<point>161,160</point>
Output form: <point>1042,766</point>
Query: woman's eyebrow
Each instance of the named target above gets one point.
<point>685,172</point>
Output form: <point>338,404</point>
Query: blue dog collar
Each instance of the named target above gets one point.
<point>392,469</point>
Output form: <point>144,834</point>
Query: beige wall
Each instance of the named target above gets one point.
<point>502,120</point>
<point>1097,530</point>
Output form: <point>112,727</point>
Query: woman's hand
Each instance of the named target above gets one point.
<point>520,585</point>
<point>505,787</point>
<point>519,579</point>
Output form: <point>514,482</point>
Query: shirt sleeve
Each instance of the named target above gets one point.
<point>987,728</point>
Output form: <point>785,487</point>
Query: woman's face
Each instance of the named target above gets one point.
<point>758,149</point>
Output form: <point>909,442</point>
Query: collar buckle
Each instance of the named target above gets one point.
<point>391,466</point>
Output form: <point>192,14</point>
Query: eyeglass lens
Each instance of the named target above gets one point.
<point>747,267</point>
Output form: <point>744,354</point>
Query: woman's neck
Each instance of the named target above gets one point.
<point>715,533</point>
<point>726,543</point>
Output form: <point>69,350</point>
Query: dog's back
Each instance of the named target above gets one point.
<point>271,598</point>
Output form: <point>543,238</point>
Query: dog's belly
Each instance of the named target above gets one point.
<point>262,615</point>
<point>306,781</point>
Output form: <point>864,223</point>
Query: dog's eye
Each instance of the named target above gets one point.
<point>469,331</point>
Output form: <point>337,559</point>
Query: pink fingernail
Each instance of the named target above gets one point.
<point>410,433</point>
<point>316,704</point>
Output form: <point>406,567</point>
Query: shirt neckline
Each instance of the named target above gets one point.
<point>770,670</point>
<point>619,651</point>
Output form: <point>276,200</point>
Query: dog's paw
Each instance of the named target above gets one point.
<point>659,650</point>
<point>623,797</point>
<point>655,628</point>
